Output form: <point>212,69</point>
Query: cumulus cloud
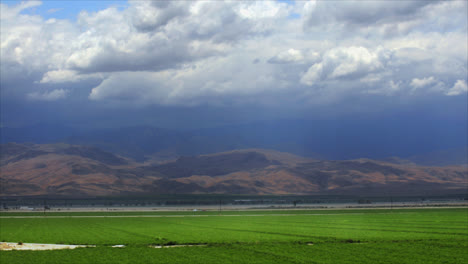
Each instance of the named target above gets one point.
<point>427,84</point>
<point>210,83</point>
<point>153,35</point>
<point>31,46</point>
<point>287,56</point>
<point>262,9</point>
<point>313,74</point>
<point>237,52</point>
<point>458,88</point>
<point>419,83</point>
<point>48,96</point>
<point>346,62</point>
<point>152,15</point>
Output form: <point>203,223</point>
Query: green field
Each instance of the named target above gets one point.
<point>337,236</point>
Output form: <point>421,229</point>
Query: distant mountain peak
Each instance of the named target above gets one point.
<point>62,169</point>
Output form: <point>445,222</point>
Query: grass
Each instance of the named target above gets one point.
<point>338,236</point>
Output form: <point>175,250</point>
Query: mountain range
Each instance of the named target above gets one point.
<point>76,170</point>
<point>417,142</point>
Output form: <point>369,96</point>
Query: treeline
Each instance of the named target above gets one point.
<point>191,200</point>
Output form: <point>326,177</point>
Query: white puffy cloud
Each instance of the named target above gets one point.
<point>458,88</point>
<point>148,35</point>
<point>313,74</point>
<point>152,15</point>
<point>427,84</point>
<point>287,56</point>
<point>346,62</point>
<point>260,9</point>
<point>237,52</point>
<point>420,83</point>
<point>211,82</point>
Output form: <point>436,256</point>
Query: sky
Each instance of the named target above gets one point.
<point>187,64</point>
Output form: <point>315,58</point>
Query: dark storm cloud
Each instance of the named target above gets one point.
<point>365,12</point>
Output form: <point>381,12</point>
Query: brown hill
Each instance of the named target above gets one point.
<point>61,169</point>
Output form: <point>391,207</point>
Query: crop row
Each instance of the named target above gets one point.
<point>369,236</point>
